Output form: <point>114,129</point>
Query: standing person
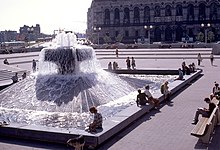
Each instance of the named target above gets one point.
<point>133,64</point>
<point>204,111</point>
<point>128,62</point>
<point>110,66</point>
<point>116,52</point>
<point>199,58</point>
<point>115,65</point>
<point>211,58</point>
<point>97,121</point>
<point>151,99</point>
<point>34,65</point>
<point>141,98</point>
<point>165,91</point>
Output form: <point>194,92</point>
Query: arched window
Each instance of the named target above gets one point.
<point>190,12</point>
<point>136,15</point>
<point>179,10</point>
<point>202,9</point>
<point>126,19</point>
<point>179,33</point>
<point>168,34</point>
<point>168,10</point>
<point>213,11</point>
<point>116,16</point>
<point>107,17</point>
<point>157,34</point>
<point>147,14</point>
<point>157,11</point>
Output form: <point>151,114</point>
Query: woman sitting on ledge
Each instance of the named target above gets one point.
<point>97,121</point>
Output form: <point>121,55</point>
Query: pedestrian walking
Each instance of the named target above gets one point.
<point>211,58</point>
<point>116,52</point>
<point>34,65</point>
<point>133,64</point>
<point>110,66</point>
<point>199,58</point>
<point>128,61</point>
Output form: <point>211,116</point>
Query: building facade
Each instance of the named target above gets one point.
<point>128,21</point>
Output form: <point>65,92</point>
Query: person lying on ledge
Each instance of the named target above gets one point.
<point>97,121</point>
<point>204,111</point>
<point>141,98</point>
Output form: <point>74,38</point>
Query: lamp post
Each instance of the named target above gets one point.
<point>148,28</point>
<point>30,31</point>
<point>97,29</point>
<point>206,26</point>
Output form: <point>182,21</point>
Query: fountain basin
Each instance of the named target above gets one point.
<point>111,126</point>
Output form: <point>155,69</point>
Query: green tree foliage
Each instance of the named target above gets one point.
<point>200,37</point>
<point>210,36</point>
<point>107,39</point>
<point>119,38</point>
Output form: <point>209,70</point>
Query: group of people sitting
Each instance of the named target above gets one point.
<point>146,97</point>
<point>206,112</point>
<point>186,70</point>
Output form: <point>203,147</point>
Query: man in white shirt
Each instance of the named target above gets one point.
<point>151,99</point>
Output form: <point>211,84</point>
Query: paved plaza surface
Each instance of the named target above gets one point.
<point>167,128</point>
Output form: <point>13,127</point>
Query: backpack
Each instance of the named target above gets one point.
<point>162,89</point>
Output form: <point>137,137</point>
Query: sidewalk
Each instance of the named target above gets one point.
<point>170,127</point>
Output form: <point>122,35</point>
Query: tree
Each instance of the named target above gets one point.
<point>210,36</point>
<point>119,38</point>
<point>200,36</point>
<point>107,39</point>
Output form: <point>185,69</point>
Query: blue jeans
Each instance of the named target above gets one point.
<point>202,112</point>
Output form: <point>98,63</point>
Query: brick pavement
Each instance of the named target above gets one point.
<point>169,128</point>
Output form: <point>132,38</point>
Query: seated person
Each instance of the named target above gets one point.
<point>215,91</point>
<point>24,75</point>
<point>204,111</point>
<point>165,91</point>
<point>15,78</point>
<point>151,99</point>
<point>180,75</point>
<point>97,121</point>
<point>187,70</point>
<point>141,98</point>
<point>6,62</point>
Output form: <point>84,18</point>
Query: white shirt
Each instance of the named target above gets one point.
<point>147,92</point>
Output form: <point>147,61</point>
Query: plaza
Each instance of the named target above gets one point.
<point>169,127</point>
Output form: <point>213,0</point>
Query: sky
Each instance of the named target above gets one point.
<point>50,14</point>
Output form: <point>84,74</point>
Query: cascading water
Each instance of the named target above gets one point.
<point>69,81</point>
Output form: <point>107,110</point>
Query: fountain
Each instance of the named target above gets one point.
<point>69,81</point>
<point>52,104</point>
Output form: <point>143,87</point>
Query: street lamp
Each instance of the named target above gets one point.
<point>97,29</point>
<point>148,28</point>
<point>206,26</point>
<point>30,31</point>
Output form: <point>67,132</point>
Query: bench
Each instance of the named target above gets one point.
<point>205,126</point>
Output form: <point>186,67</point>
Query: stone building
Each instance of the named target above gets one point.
<point>129,21</point>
